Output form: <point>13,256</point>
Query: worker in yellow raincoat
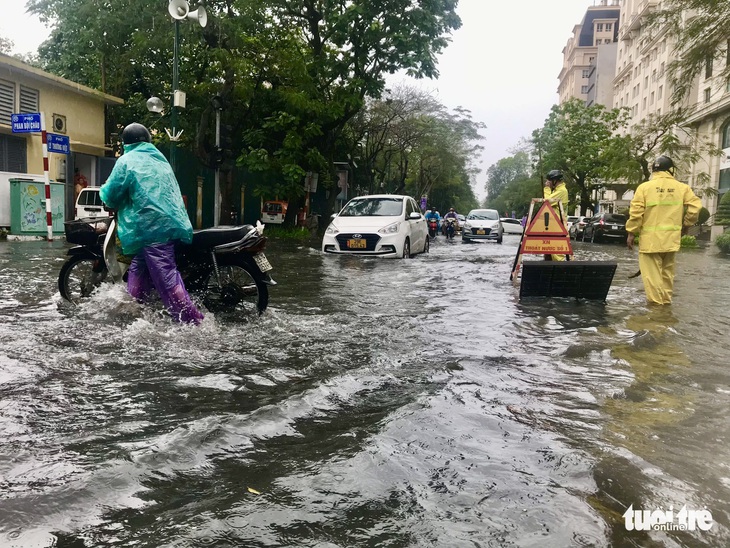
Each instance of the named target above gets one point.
<point>555,192</point>
<point>658,213</point>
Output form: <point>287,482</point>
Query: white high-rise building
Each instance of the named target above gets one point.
<point>589,56</point>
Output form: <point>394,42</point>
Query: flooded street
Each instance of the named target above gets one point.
<point>378,403</point>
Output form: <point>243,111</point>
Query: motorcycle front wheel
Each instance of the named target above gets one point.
<point>80,276</point>
<point>242,290</point>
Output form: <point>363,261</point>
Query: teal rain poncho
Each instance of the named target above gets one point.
<point>150,209</point>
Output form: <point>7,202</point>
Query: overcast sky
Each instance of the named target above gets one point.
<point>502,64</point>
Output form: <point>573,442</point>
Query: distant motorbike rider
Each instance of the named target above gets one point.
<point>659,209</point>
<point>151,216</point>
<point>556,193</point>
<point>433,214</point>
<point>451,215</point>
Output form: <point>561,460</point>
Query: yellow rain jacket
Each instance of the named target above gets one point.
<point>559,194</point>
<point>657,212</point>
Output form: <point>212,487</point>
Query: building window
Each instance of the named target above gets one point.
<point>708,95</point>
<point>609,26</point>
<point>586,73</point>
<point>28,99</point>
<point>584,89</point>
<point>13,154</point>
<point>643,104</point>
<point>646,82</point>
<point>599,27</point>
<point>659,92</point>
<point>7,101</point>
<point>591,59</point>
<point>599,42</point>
<point>708,67</point>
<point>651,98</point>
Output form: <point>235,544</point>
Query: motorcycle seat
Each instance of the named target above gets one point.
<point>219,235</point>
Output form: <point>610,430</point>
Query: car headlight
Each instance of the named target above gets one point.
<point>466,224</point>
<point>331,229</point>
<point>390,229</point>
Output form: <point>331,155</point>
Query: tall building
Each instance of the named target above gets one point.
<point>589,56</point>
<point>640,83</point>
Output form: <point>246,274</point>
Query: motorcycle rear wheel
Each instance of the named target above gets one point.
<point>242,292</point>
<point>79,277</point>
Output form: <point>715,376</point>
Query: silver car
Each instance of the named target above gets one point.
<point>482,224</point>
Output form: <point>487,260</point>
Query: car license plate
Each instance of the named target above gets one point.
<point>481,231</point>
<point>357,244</point>
<point>615,227</point>
<point>262,262</point>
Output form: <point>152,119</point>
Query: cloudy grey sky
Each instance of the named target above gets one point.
<point>502,64</point>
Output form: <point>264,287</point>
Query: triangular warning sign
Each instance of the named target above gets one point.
<point>546,223</point>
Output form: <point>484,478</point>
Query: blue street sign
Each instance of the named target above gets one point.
<point>26,123</point>
<point>58,143</point>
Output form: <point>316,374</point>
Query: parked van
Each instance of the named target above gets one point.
<point>89,204</point>
<point>273,212</point>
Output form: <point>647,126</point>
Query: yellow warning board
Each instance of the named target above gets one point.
<point>557,245</point>
<point>546,223</point>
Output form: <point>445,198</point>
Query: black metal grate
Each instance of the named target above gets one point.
<point>371,241</point>
<point>579,279</point>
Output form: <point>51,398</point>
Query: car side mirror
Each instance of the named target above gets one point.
<point>333,215</point>
<point>414,215</point>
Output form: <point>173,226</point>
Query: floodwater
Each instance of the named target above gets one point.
<point>378,403</point>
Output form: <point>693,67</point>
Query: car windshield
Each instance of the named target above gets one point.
<point>614,218</point>
<point>373,207</point>
<point>483,215</point>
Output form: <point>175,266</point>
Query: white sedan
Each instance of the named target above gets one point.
<point>482,224</point>
<point>511,226</point>
<point>386,225</point>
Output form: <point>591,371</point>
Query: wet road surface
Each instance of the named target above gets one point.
<point>376,403</point>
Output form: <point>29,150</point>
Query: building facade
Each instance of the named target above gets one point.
<point>589,56</point>
<point>69,109</point>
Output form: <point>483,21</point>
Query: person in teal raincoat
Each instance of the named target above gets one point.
<point>151,217</point>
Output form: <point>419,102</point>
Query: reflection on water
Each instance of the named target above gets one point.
<point>377,403</point>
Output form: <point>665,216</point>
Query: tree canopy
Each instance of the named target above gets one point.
<point>292,73</point>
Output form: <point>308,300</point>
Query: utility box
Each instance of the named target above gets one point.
<point>28,207</point>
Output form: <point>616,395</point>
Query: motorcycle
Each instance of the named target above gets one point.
<point>224,266</point>
<point>433,228</point>
<point>450,225</point>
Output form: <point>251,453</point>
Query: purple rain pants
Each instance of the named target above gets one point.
<point>154,268</point>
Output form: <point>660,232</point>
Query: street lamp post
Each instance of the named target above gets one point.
<point>179,10</point>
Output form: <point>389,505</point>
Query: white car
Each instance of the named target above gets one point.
<point>482,224</point>
<point>511,226</point>
<point>89,205</point>
<point>384,225</point>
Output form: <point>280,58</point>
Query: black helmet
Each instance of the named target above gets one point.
<point>555,175</point>
<point>663,163</point>
<point>136,133</point>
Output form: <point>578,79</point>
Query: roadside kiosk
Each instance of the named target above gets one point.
<point>545,234</point>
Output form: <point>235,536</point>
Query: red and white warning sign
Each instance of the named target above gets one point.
<point>546,234</point>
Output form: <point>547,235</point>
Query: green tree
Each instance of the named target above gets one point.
<point>6,45</point>
<point>582,142</point>
<point>409,142</point>
<point>506,171</point>
<point>292,72</point>
<point>666,134</point>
